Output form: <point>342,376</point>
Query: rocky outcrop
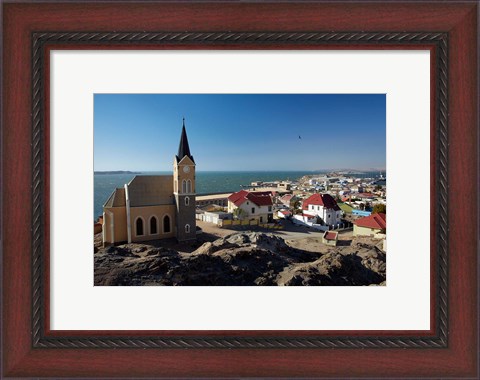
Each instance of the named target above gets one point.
<point>334,268</point>
<point>241,259</point>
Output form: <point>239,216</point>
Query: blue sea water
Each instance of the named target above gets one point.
<point>206,182</point>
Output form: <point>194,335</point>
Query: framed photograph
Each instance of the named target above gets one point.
<point>234,162</point>
<point>241,223</point>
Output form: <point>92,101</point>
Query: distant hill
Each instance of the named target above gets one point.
<point>117,172</point>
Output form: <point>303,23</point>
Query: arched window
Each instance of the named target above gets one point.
<point>153,225</point>
<point>187,228</point>
<point>166,224</point>
<point>189,186</point>
<point>184,186</point>
<point>187,201</point>
<point>139,227</point>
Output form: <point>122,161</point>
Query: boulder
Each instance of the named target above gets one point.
<point>240,259</point>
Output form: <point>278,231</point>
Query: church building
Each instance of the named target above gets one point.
<point>152,207</point>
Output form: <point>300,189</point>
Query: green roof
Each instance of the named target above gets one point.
<point>345,208</point>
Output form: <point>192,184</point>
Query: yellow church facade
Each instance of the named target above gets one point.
<point>152,207</point>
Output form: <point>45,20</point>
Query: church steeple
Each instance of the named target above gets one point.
<point>183,147</point>
<point>184,190</point>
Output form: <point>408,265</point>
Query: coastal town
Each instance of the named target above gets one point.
<point>321,229</point>
<point>336,201</point>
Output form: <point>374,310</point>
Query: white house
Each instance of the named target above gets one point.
<point>214,216</point>
<point>324,206</point>
<point>252,205</point>
<point>309,220</point>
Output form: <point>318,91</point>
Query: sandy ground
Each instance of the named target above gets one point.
<point>299,237</point>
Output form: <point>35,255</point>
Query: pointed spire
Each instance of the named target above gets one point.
<point>183,147</point>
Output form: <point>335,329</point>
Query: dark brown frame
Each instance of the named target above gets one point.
<point>32,349</point>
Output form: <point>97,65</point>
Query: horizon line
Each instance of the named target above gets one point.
<point>251,170</point>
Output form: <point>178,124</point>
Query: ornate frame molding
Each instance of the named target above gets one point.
<point>40,39</point>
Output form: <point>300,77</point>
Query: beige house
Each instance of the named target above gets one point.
<point>285,185</point>
<point>330,238</point>
<point>374,225</point>
<point>220,199</point>
<point>251,205</point>
<point>152,207</point>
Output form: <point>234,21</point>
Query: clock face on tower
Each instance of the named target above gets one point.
<point>186,169</point>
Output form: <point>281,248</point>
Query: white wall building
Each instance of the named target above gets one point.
<point>324,206</point>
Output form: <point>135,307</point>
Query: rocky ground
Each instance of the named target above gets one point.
<point>243,258</point>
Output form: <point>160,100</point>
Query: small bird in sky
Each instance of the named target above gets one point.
<point>300,137</point>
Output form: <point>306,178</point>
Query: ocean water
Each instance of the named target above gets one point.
<point>207,182</point>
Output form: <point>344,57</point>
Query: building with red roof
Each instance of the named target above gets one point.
<point>252,205</point>
<point>324,206</point>
<point>289,200</point>
<point>366,196</point>
<point>330,238</point>
<point>372,225</point>
<point>284,214</point>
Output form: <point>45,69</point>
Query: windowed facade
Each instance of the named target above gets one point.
<point>153,225</point>
<point>151,207</point>
<point>253,210</point>
<point>166,224</point>
<point>139,227</point>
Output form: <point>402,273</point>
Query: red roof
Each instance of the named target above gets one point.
<point>325,200</point>
<point>376,221</point>
<point>236,197</point>
<point>329,235</point>
<point>285,212</point>
<point>260,198</point>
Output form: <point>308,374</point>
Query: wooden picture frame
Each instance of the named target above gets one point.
<point>448,30</point>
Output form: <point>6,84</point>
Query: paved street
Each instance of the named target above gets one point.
<point>290,232</point>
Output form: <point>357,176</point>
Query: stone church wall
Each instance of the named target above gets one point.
<point>145,213</point>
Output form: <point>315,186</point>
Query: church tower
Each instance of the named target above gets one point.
<point>184,190</point>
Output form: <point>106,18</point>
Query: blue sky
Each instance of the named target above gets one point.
<point>141,132</point>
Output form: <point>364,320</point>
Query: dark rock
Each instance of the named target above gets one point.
<point>241,259</point>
